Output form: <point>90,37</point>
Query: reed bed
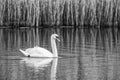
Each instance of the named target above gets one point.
<point>36,13</point>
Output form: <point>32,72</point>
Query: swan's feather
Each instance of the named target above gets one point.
<point>37,52</point>
<point>25,53</point>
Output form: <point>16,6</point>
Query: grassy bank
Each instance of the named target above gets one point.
<point>59,13</point>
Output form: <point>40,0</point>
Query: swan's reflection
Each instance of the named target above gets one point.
<point>41,64</point>
<point>37,63</point>
<point>54,69</point>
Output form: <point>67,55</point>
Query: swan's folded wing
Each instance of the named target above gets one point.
<point>39,52</point>
<point>29,50</point>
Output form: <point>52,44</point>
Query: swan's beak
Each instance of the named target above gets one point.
<point>58,39</point>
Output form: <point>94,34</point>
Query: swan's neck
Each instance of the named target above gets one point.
<point>54,47</point>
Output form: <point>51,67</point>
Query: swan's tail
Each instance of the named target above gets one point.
<point>23,52</point>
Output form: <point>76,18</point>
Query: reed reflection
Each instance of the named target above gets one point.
<point>99,57</point>
<point>97,52</point>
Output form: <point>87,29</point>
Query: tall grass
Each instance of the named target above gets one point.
<point>59,13</point>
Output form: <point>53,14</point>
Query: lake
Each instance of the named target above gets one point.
<point>84,54</point>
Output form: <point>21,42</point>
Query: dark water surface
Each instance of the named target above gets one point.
<point>86,54</point>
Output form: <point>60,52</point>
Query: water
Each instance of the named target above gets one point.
<point>85,54</point>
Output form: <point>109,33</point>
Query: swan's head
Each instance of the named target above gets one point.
<point>55,37</point>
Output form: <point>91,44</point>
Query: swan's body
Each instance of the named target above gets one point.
<point>37,52</point>
<point>42,52</point>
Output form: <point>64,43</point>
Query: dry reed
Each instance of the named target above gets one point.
<point>59,13</point>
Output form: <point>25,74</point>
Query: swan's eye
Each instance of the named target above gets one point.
<point>57,36</point>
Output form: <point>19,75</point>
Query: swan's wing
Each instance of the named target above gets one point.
<point>29,50</point>
<point>42,50</point>
<point>39,52</point>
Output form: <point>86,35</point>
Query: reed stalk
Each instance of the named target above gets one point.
<point>36,13</point>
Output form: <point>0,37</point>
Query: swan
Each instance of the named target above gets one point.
<point>42,52</point>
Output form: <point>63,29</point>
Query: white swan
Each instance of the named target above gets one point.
<point>42,52</point>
